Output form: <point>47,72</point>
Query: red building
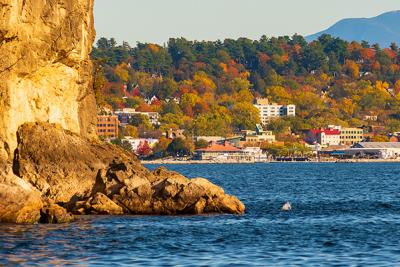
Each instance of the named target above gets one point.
<point>324,137</point>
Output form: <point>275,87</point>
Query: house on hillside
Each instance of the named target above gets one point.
<point>125,115</point>
<point>257,137</point>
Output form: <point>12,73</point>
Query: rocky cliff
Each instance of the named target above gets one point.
<point>96,178</point>
<point>45,70</point>
<point>51,165</point>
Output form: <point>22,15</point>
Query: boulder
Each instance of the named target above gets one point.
<point>101,204</point>
<point>20,202</point>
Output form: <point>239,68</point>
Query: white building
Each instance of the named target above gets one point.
<point>256,153</point>
<point>125,114</point>
<point>324,137</point>
<point>269,111</point>
<point>382,150</point>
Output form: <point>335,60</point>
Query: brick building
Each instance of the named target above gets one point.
<point>107,126</point>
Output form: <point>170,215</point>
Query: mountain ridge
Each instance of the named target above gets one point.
<point>382,29</point>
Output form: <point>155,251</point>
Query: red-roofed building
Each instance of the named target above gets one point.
<point>222,152</point>
<point>324,137</point>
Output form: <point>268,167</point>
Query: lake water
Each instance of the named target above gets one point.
<point>343,214</point>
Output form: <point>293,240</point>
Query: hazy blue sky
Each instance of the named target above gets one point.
<point>158,20</point>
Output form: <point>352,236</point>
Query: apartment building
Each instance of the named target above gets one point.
<point>351,136</point>
<point>269,111</point>
<point>107,126</point>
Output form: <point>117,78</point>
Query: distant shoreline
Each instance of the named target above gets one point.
<point>199,162</point>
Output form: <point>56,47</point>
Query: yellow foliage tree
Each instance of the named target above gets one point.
<point>131,131</point>
<point>203,83</point>
<point>122,72</point>
<point>278,94</point>
<point>352,69</point>
<point>382,86</point>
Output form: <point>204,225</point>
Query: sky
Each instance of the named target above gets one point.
<point>156,21</point>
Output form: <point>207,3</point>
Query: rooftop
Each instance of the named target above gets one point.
<point>326,131</point>
<point>214,147</point>
<point>378,145</point>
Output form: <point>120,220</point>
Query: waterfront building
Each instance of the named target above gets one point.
<point>107,126</point>
<point>256,154</point>
<point>381,150</point>
<point>226,152</point>
<point>351,136</point>
<point>270,111</point>
<point>222,152</point>
<point>324,137</point>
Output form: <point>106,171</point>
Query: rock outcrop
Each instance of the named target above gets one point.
<point>96,178</point>
<point>51,163</point>
<point>45,69</point>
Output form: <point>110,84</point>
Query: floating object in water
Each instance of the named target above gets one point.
<point>287,207</point>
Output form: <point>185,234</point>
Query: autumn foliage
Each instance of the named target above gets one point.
<point>207,88</point>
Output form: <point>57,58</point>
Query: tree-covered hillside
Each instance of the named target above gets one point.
<point>208,88</point>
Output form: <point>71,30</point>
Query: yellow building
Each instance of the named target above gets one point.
<point>254,137</point>
<point>350,136</point>
<point>257,137</point>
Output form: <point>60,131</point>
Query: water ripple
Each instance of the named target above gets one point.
<point>342,215</point>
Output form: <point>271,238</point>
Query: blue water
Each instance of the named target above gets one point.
<point>343,215</point>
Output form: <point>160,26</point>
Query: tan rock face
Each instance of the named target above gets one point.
<point>45,71</point>
<point>47,123</point>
